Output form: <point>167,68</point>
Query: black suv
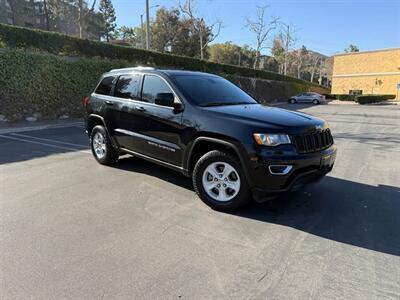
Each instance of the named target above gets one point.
<point>206,127</point>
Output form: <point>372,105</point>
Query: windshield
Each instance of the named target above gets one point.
<point>206,90</point>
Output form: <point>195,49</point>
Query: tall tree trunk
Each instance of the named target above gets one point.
<point>80,17</point>
<point>46,14</point>
<point>201,43</point>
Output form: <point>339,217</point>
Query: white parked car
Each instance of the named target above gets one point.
<point>307,97</point>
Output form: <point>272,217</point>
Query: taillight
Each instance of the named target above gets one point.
<point>86,100</point>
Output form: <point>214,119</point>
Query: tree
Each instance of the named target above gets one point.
<point>278,51</point>
<point>46,14</point>
<point>226,53</point>
<point>262,29</point>
<point>247,56</point>
<point>315,61</point>
<point>83,13</point>
<point>288,40</point>
<point>165,29</point>
<point>351,48</point>
<point>204,33</point>
<point>229,53</point>
<point>301,55</point>
<point>107,11</point>
<point>131,35</point>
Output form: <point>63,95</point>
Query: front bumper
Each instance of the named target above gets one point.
<point>306,168</point>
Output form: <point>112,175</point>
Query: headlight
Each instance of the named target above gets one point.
<point>271,139</point>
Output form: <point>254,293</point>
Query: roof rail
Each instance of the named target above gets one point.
<point>133,69</point>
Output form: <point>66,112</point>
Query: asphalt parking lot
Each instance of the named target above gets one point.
<point>73,229</point>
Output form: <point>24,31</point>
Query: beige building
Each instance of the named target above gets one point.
<point>369,72</point>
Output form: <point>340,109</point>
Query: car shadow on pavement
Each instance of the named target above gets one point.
<point>137,165</point>
<point>340,210</point>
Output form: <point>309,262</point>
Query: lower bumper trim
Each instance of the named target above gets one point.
<point>301,180</point>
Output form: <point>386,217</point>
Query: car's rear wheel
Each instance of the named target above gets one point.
<point>292,100</point>
<point>220,182</point>
<point>102,149</point>
<point>315,101</point>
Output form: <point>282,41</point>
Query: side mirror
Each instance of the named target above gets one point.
<point>168,99</point>
<point>165,99</point>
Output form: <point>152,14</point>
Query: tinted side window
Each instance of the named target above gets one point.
<point>152,86</point>
<point>105,86</point>
<point>127,86</point>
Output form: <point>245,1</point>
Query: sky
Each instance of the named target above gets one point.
<point>326,26</point>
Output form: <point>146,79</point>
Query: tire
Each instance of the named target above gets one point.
<point>315,101</point>
<point>102,149</point>
<point>235,195</point>
<point>293,101</point>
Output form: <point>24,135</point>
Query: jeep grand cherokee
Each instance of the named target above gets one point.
<point>208,128</point>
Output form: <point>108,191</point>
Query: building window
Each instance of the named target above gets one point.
<point>355,92</point>
<point>38,21</point>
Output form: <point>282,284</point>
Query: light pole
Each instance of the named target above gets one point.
<point>142,30</point>
<point>147,25</point>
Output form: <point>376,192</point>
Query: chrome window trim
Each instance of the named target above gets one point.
<point>140,101</point>
<point>162,78</point>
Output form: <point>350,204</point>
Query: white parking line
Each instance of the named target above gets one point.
<point>47,140</point>
<point>43,144</point>
<point>40,127</point>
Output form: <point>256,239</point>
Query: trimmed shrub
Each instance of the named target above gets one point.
<point>52,86</point>
<point>60,44</point>
<point>388,96</point>
<point>367,99</point>
<point>329,96</point>
<point>47,85</point>
<point>345,97</point>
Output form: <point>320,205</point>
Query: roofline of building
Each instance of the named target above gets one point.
<point>369,51</point>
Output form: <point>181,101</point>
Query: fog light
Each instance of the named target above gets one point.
<point>280,169</point>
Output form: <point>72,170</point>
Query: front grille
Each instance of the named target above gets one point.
<point>312,142</point>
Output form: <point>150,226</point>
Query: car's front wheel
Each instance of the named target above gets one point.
<point>315,101</point>
<point>220,182</point>
<point>292,101</point>
<point>102,149</point>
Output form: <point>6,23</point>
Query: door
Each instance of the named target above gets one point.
<point>303,97</point>
<point>159,128</point>
<point>122,109</point>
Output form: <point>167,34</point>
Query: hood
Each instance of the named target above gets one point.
<point>266,115</point>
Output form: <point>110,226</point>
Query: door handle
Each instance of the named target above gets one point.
<point>108,102</point>
<point>140,108</point>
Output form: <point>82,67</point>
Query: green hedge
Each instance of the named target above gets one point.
<point>59,44</point>
<point>49,86</point>
<point>345,97</point>
<point>366,99</point>
<point>46,84</point>
<point>388,96</point>
<point>329,96</point>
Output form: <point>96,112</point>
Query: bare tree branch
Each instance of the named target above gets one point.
<point>199,26</point>
<point>289,39</point>
<point>262,30</point>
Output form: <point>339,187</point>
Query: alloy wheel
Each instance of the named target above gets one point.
<point>221,181</point>
<point>99,145</point>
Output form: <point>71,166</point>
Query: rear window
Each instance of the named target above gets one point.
<point>127,86</point>
<point>105,86</point>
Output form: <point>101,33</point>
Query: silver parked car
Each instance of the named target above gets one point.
<point>307,97</point>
